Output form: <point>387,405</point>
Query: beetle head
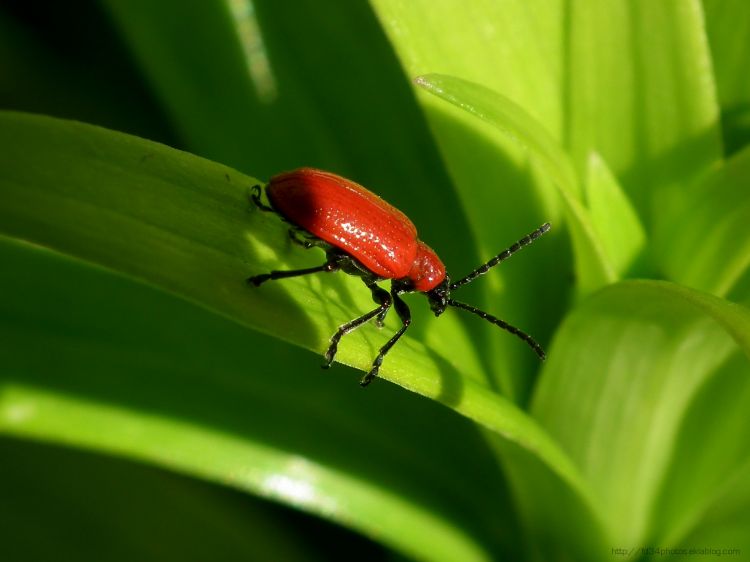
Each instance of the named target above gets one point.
<point>438,297</point>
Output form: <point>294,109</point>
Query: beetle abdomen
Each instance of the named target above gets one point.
<point>349,217</point>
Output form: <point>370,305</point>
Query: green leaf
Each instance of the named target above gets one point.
<point>573,529</point>
<point>630,447</point>
<point>612,216</point>
<point>183,224</point>
<point>97,361</point>
<point>725,520</point>
<point>92,507</point>
<point>727,25</point>
<point>592,266</point>
<point>640,92</point>
<point>703,500</point>
<point>630,80</point>
<point>711,250</point>
<point>513,48</point>
<point>510,119</point>
<point>623,374</point>
<point>282,104</point>
<point>594,84</point>
<point>309,112</point>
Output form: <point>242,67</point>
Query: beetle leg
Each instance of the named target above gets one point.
<point>380,320</point>
<point>306,241</point>
<point>306,244</point>
<point>255,198</point>
<point>405,315</point>
<point>330,265</point>
<point>380,296</point>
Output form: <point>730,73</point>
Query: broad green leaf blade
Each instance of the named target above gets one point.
<point>711,250</point>
<point>623,372</point>
<point>504,205</point>
<point>187,225</point>
<point>96,361</point>
<point>630,80</point>
<point>593,268</point>
<point>692,500</point>
<point>612,216</point>
<point>95,508</point>
<point>182,223</point>
<point>725,520</point>
<point>640,92</point>
<point>727,26</point>
<point>513,48</point>
<point>510,119</point>
<point>559,522</point>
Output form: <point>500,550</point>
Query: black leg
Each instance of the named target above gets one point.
<point>255,198</point>
<point>273,275</point>
<point>405,315</point>
<point>380,296</point>
<point>299,241</point>
<point>306,240</point>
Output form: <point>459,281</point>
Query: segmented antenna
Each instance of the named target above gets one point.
<point>531,342</point>
<point>504,255</point>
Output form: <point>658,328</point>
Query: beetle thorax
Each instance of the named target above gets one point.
<point>427,271</point>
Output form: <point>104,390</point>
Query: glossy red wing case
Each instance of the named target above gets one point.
<point>349,217</point>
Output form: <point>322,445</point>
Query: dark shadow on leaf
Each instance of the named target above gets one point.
<point>735,128</point>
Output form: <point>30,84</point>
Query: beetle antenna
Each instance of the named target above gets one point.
<point>531,342</point>
<point>502,256</point>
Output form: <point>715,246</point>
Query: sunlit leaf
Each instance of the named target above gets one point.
<point>593,267</point>
<point>97,361</point>
<point>641,93</point>
<point>707,244</point>
<point>183,224</point>
<point>613,218</point>
<point>727,27</point>
<point>626,367</point>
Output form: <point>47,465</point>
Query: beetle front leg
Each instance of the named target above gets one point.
<point>380,296</point>
<point>404,314</point>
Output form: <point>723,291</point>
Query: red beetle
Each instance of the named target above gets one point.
<point>363,235</point>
